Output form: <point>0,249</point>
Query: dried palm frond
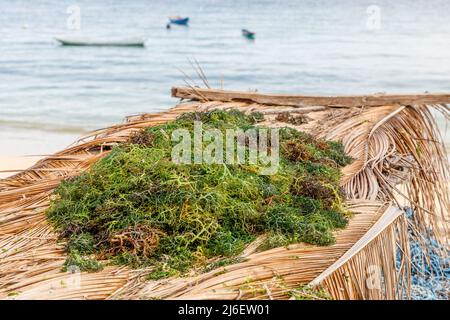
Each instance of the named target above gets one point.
<point>399,145</point>
<point>369,269</point>
<point>398,154</point>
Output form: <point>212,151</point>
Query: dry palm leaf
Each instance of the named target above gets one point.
<point>395,143</point>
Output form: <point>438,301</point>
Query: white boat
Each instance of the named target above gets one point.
<point>105,42</point>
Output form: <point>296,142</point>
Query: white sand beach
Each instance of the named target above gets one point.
<point>10,165</point>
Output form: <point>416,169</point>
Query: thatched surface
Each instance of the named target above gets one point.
<point>393,144</point>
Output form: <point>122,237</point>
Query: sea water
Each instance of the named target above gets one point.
<point>51,94</point>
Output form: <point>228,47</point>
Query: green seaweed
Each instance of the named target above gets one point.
<point>83,262</point>
<point>138,207</point>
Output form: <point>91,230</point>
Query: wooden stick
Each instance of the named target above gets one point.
<point>304,101</point>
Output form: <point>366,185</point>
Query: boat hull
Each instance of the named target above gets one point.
<point>180,21</point>
<point>66,41</point>
<point>248,34</point>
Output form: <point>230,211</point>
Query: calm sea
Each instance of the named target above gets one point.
<point>50,94</point>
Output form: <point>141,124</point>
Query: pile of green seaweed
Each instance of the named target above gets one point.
<point>138,207</point>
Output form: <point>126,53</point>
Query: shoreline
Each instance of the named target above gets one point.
<point>10,165</point>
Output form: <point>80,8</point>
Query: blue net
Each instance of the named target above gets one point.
<point>430,271</point>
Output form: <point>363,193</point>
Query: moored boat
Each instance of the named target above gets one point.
<point>179,20</point>
<point>109,42</point>
<point>248,34</point>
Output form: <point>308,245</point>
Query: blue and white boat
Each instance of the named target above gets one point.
<point>179,20</point>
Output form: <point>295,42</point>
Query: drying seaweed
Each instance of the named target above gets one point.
<point>292,118</point>
<point>138,207</point>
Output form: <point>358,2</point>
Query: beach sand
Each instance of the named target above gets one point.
<point>10,165</point>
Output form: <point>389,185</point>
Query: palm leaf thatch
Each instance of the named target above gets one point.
<point>400,160</point>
